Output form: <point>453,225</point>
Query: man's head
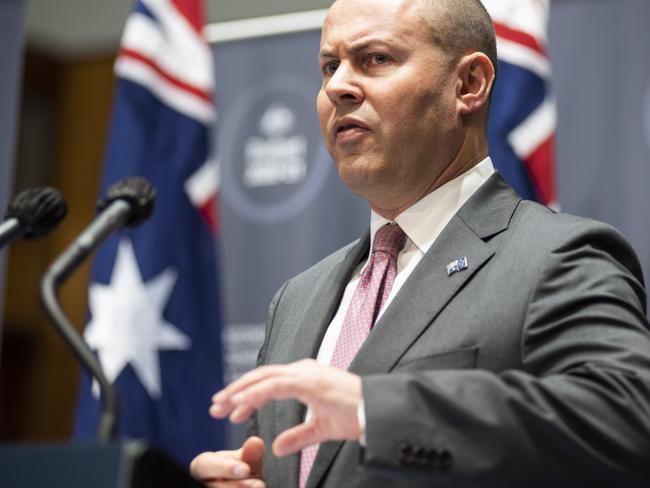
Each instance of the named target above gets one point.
<point>404,101</point>
<point>460,26</point>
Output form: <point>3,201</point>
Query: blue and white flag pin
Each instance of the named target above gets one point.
<point>456,266</point>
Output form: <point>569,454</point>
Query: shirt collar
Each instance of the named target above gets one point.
<point>423,221</point>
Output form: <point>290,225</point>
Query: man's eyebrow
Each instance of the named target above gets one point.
<point>358,46</point>
<point>364,44</point>
<point>326,54</point>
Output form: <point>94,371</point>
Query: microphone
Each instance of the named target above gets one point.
<point>33,213</point>
<point>128,203</point>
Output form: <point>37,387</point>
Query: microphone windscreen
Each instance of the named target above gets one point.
<point>138,192</point>
<point>38,210</point>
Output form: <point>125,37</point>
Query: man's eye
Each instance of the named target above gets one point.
<point>379,59</point>
<point>330,68</point>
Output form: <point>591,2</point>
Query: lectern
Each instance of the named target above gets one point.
<point>127,464</point>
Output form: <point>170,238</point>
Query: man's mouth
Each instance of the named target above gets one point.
<point>347,127</point>
<point>349,131</point>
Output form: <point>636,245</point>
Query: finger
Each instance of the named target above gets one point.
<point>235,484</point>
<point>261,373</point>
<point>222,404</point>
<point>276,388</point>
<point>241,414</point>
<point>248,379</point>
<point>219,465</point>
<point>252,453</point>
<point>222,410</point>
<point>296,438</point>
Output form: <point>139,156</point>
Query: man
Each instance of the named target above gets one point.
<point>471,338</point>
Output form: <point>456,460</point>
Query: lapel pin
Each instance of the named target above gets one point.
<point>456,266</point>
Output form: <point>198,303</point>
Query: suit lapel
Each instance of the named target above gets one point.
<point>430,288</point>
<point>325,300</point>
<point>317,317</point>
<point>422,298</point>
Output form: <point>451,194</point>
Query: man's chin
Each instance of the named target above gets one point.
<point>363,177</point>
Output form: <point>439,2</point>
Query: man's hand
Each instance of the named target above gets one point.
<point>231,469</point>
<point>332,394</point>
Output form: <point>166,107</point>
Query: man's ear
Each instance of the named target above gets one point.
<point>475,80</point>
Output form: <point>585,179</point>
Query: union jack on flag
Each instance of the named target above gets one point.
<point>523,117</point>
<point>153,301</point>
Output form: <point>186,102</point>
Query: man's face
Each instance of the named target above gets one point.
<point>387,106</point>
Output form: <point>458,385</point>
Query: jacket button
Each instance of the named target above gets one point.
<point>432,457</point>
<point>420,455</point>
<point>404,454</point>
<point>445,460</point>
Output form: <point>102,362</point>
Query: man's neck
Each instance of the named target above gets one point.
<point>452,171</point>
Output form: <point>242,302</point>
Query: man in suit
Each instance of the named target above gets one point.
<point>504,344</point>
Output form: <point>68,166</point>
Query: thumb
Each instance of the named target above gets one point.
<point>252,453</point>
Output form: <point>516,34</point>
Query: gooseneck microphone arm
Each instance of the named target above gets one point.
<point>129,202</point>
<point>110,220</point>
<point>9,230</point>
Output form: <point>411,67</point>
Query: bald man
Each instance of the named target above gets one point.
<point>469,338</point>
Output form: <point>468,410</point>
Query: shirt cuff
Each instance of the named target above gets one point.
<point>361,418</point>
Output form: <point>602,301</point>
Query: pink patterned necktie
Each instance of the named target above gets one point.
<point>369,297</point>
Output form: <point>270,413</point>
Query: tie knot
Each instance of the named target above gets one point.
<point>390,239</point>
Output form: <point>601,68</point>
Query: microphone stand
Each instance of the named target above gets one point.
<point>114,217</point>
<point>125,464</point>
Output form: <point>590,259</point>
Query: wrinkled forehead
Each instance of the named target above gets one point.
<point>349,21</point>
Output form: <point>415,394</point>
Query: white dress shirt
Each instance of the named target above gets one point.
<point>422,223</point>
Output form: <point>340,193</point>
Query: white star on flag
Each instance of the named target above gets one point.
<point>127,325</point>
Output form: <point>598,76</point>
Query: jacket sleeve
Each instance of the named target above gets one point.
<point>578,409</point>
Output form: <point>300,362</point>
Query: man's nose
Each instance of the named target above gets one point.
<point>344,87</point>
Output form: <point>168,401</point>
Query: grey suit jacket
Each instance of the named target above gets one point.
<point>529,368</point>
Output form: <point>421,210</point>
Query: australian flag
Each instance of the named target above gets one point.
<point>154,317</point>
<point>522,116</point>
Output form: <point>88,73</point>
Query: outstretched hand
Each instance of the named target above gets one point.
<point>231,469</point>
<point>332,394</point>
